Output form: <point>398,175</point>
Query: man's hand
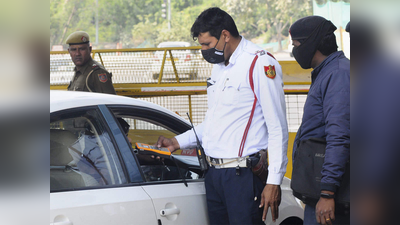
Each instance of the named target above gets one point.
<point>325,210</point>
<point>170,143</point>
<point>271,197</point>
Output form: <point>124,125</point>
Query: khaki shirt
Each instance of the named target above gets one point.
<point>99,79</point>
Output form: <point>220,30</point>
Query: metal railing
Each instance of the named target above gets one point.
<point>149,66</point>
<point>174,77</point>
<point>196,105</point>
<point>141,65</point>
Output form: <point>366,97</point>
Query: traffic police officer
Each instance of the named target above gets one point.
<point>234,194</point>
<point>89,74</point>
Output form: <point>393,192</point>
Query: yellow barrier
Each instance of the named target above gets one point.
<point>152,65</point>
<point>94,51</point>
<point>170,88</point>
<point>181,61</point>
<point>289,167</point>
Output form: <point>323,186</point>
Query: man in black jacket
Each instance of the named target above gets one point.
<point>326,111</point>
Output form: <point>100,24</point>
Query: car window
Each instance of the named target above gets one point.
<point>146,132</point>
<point>82,153</point>
<point>155,167</point>
<point>146,128</point>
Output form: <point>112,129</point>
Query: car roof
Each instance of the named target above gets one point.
<point>174,44</point>
<point>61,100</point>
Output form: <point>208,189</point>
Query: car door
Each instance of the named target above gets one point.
<point>176,188</point>
<point>89,181</point>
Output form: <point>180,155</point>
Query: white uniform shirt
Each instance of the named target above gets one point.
<point>230,100</point>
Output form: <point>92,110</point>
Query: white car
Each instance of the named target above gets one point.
<point>98,177</point>
<point>186,61</point>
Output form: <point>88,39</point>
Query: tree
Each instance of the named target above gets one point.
<point>181,22</point>
<point>248,16</point>
<point>134,22</point>
<point>283,13</point>
<point>67,16</point>
<point>118,17</point>
<point>267,18</point>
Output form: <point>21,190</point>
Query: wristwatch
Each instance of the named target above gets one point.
<point>326,195</point>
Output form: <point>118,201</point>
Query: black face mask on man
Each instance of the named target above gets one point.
<point>304,53</point>
<point>214,55</point>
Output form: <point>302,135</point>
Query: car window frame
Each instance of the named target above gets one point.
<point>54,116</point>
<point>148,113</point>
<point>122,142</point>
<point>153,116</point>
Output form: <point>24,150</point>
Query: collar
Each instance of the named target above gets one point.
<point>326,61</point>
<point>236,53</point>
<point>239,49</point>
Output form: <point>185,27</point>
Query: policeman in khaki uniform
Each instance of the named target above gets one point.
<point>89,74</point>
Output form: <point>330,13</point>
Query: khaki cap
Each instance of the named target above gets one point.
<point>77,38</point>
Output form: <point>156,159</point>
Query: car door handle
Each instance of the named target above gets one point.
<point>168,212</point>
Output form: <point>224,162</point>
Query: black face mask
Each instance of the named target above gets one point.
<point>305,52</point>
<point>214,55</point>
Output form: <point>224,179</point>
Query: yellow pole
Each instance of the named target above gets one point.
<point>190,106</point>
<point>101,60</point>
<point>173,66</point>
<point>162,67</point>
<point>341,37</point>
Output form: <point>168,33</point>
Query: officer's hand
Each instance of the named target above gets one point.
<point>271,197</point>
<point>129,139</point>
<point>157,158</point>
<point>170,143</point>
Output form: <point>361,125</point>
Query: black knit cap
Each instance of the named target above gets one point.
<point>303,28</point>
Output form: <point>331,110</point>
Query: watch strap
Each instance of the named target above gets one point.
<point>326,195</point>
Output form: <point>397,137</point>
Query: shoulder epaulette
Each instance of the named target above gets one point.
<point>263,52</point>
<point>97,67</point>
